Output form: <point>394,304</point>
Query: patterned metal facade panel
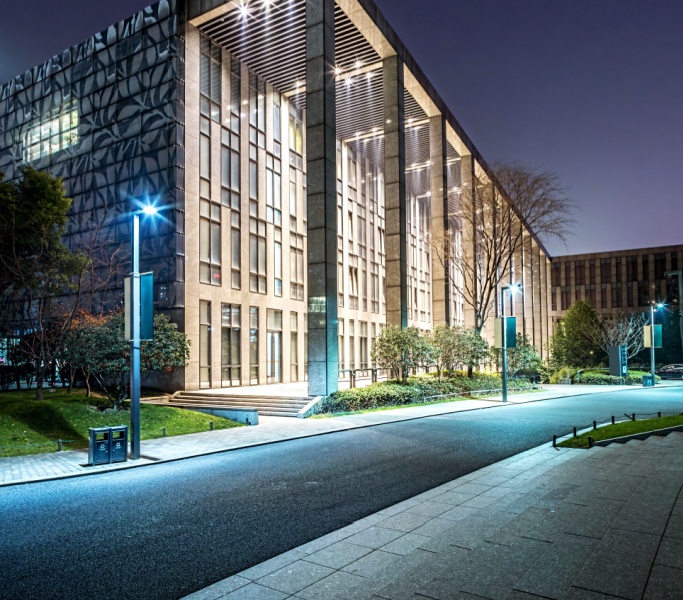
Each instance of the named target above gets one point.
<point>107,116</point>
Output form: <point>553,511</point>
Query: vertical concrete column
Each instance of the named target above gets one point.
<point>438,150</point>
<point>321,157</point>
<point>469,234</point>
<point>396,239</point>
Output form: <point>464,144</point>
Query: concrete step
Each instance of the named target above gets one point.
<point>275,406</point>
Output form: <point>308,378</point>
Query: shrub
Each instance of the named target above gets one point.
<point>417,390</point>
<point>602,378</point>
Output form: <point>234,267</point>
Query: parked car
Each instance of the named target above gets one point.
<point>671,372</point>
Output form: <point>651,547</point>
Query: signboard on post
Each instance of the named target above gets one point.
<point>510,332</point>
<point>618,361</point>
<point>652,336</point>
<point>146,307</point>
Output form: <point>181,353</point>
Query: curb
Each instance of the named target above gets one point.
<point>125,466</point>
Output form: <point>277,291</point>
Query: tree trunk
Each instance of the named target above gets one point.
<point>39,384</point>
<point>470,372</point>
<point>87,385</point>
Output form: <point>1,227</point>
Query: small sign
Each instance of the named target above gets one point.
<point>652,336</point>
<point>510,332</point>
<point>146,306</point>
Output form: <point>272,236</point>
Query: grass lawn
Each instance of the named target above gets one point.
<point>31,427</point>
<point>622,429</point>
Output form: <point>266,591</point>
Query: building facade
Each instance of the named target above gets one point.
<point>622,281</point>
<point>302,163</point>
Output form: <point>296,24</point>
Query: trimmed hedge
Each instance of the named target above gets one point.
<point>598,378</point>
<point>418,390</point>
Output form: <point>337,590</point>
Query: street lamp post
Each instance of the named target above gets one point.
<point>513,288</point>
<point>135,341</point>
<point>652,339</point>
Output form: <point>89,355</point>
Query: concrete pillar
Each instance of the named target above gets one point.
<point>441,301</point>
<point>469,238</point>
<point>321,157</point>
<point>396,239</point>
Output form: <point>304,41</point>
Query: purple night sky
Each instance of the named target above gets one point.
<point>590,90</point>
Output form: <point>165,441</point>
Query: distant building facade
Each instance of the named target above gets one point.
<point>302,161</point>
<point>616,282</point>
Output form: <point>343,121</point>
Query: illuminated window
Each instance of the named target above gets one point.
<point>57,130</point>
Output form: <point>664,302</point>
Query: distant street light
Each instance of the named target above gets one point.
<point>512,288</point>
<point>149,210</point>
<point>652,338</point>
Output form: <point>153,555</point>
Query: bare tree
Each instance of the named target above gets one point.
<point>497,219</point>
<point>625,329</point>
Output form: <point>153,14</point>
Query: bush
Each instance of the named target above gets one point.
<point>602,378</point>
<point>418,389</point>
<point>563,373</point>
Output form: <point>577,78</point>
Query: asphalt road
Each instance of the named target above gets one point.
<point>167,530</point>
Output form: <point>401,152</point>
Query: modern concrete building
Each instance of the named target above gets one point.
<point>616,282</point>
<point>302,161</point>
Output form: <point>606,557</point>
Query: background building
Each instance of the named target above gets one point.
<point>303,164</point>
<point>625,281</point>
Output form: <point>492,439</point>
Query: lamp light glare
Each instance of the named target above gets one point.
<point>150,210</point>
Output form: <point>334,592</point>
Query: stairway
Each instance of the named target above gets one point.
<point>269,406</point>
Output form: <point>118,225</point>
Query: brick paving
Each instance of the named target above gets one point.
<point>605,523</point>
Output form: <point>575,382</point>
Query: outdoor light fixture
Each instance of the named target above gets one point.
<point>244,10</point>
<point>133,321</point>
<point>652,338</point>
<point>504,343</point>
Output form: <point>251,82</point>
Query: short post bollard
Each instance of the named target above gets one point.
<point>59,445</point>
<point>163,432</point>
<point>554,441</point>
<point>612,419</point>
<point>633,417</point>
<point>595,424</point>
<point>574,431</point>
<point>659,415</point>
<point>210,425</point>
<point>591,441</point>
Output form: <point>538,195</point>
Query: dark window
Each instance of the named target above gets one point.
<point>605,270</point>
<point>591,272</point>
<point>660,266</point>
<point>580,272</point>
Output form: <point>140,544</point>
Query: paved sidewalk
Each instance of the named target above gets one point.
<point>56,465</point>
<point>605,523</point>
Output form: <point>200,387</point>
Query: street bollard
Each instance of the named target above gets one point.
<point>612,419</point>
<point>659,415</point>
<point>595,424</point>
<point>574,431</point>
<point>591,441</point>
<point>634,417</point>
<point>163,432</point>
<point>59,445</point>
<point>554,441</point>
<point>210,425</point>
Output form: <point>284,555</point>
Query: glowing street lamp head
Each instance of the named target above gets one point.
<point>150,210</point>
<point>660,305</point>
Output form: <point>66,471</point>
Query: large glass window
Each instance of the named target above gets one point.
<point>273,190</point>
<point>231,362</point>
<point>296,266</point>
<point>253,345</point>
<point>277,259</point>
<point>257,256</point>
<point>294,346</point>
<point>274,347</point>
<point>54,131</point>
<point>210,79</point>
<point>204,344</point>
